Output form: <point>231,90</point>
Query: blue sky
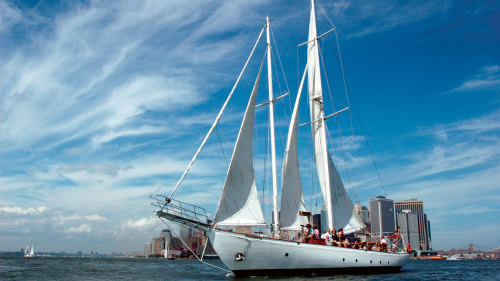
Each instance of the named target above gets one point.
<point>103,103</point>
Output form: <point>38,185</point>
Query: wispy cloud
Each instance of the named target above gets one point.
<point>21,211</point>
<point>456,174</point>
<point>360,18</point>
<point>488,78</point>
<point>9,15</point>
<point>83,228</point>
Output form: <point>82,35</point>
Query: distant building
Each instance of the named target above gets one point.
<point>324,218</point>
<point>362,212</point>
<point>408,228</point>
<point>156,244</point>
<point>382,216</point>
<point>147,249</point>
<point>417,207</point>
<point>166,237</point>
<point>177,244</point>
<point>428,229</point>
<point>317,222</point>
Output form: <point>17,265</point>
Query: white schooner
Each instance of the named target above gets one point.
<point>246,254</point>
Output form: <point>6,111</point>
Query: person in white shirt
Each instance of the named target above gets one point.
<point>383,244</point>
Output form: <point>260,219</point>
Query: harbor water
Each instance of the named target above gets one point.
<point>54,268</point>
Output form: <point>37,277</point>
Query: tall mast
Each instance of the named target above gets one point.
<point>318,117</point>
<point>271,123</point>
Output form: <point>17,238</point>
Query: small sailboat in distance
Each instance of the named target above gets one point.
<point>29,252</point>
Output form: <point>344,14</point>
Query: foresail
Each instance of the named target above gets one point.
<point>343,210</point>
<point>292,198</point>
<point>239,204</point>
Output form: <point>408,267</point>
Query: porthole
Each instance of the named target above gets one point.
<point>286,254</point>
<point>356,260</point>
<point>387,262</point>
<point>371,261</point>
<point>343,259</point>
<point>380,262</point>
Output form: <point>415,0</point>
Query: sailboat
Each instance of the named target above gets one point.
<point>29,252</point>
<point>247,254</point>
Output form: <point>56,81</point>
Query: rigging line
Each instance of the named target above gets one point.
<point>345,84</point>
<point>282,69</point>
<point>284,111</point>
<point>219,115</point>
<point>220,143</point>
<point>191,250</point>
<point>348,98</point>
<point>369,148</point>
<point>289,99</point>
<point>344,161</point>
<point>355,175</point>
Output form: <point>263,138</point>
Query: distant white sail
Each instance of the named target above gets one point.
<point>340,211</point>
<point>239,204</point>
<point>30,250</point>
<point>292,198</point>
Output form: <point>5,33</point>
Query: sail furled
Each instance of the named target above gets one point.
<point>239,204</point>
<point>292,198</point>
<point>340,211</point>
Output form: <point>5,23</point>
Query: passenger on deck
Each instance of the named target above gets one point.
<point>335,238</point>
<point>346,243</point>
<point>383,244</point>
<point>327,236</point>
<point>315,232</point>
<point>340,235</point>
<point>356,245</point>
<point>307,233</point>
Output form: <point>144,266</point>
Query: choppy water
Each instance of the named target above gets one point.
<point>49,268</point>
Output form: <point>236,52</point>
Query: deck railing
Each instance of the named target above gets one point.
<point>180,209</point>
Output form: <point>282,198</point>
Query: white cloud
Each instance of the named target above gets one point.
<point>9,15</point>
<point>95,217</point>
<point>142,223</point>
<point>83,228</point>
<point>21,211</point>
<point>488,78</point>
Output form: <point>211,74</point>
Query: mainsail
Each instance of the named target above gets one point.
<point>292,198</point>
<point>339,207</point>
<point>239,204</point>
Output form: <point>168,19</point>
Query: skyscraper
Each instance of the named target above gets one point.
<point>408,227</point>
<point>155,246</point>
<point>166,235</point>
<point>382,214</point>
<point>362,212</point>
<point>417,207</point>
<point>147,249</point>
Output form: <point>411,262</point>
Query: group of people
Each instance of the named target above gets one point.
<point>338,239</point>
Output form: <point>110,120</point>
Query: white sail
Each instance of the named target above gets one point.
<point>239,204</point>
<point>339,207</point>
<point>344,214</point>
<point>292,198</point>
<point>30,250</point>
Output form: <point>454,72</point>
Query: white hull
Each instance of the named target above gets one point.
<point>264,256</point>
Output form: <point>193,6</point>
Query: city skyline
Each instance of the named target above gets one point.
<point>102,105</point>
